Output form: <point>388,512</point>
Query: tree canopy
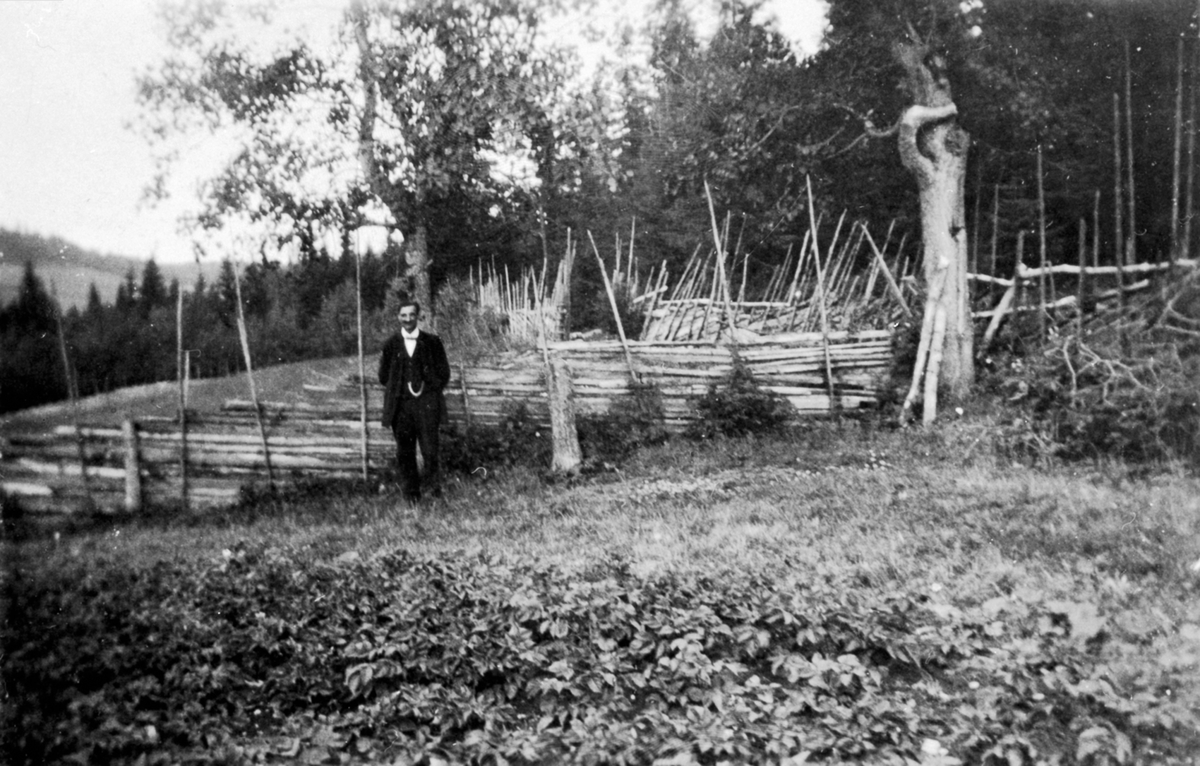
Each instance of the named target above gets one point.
<point>472,126</point>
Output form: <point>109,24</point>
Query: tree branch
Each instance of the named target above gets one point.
<point>869,124</point>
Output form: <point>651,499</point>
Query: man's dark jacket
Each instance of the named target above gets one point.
<point>427,372</point>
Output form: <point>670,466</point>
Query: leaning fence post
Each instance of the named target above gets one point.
<point>73,394</point>
<point>812,220</point>
<point>612,300</point>
<point>462,383</point>
<point>133,468</point>
<point>258,415</point>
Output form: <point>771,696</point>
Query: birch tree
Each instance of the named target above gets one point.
<point>409,106</point>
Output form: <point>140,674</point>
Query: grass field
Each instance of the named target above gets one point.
<point>833,595</point>
<point>277,383</point>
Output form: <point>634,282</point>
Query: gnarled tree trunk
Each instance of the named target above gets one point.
<point>933,147</point>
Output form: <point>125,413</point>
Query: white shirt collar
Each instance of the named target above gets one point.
<point>407,335</point>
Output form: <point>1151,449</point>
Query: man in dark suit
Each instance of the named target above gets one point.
<point>413,370</point>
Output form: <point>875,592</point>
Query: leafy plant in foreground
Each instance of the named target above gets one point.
<point>309,655</point>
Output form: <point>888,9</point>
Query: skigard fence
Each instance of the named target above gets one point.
<point>318,435</point>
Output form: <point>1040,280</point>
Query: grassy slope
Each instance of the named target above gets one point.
<point>936,517</point>
<point>278,383</point>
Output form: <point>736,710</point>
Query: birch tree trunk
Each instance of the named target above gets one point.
<point>933,147</point>
<point>416,260</point>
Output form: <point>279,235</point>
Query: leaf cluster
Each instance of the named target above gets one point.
<point>316,656</point>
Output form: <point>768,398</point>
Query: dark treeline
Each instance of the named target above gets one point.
<point>299,312</point>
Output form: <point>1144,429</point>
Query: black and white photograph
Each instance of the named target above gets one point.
<point>645,382</point>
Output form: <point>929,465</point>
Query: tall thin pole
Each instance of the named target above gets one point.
<point>816,251</point>
<point>612,301</point>
<point>1096,230</point>
<point>245,338</point>
<point>1018,267</point>
<point>181,374</point>
<point>362,368</point>
<point>1189,184</point>
<point>1079,290</point>
<point>720,245</point>
<point>1119,228</point>
<point>73,394</point>
<point>1041,197</point>
<point>1132,241</point>
<point>995,234</point>
<point>1177,156</point>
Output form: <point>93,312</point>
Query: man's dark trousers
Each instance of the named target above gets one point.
<point>415,423</point>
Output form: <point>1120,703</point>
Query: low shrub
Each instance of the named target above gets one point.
<point>739,407</point>
<point>517,440</point>
<point>1076,401</point>
<point>631,423</point>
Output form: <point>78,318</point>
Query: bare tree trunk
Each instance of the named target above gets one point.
<point>1132,240</point>
<point>416,259</point>
<point>933,147</point>
<point>1190,183</point>
<point>560,393</point>
<point>1119,225</point>
<point>995,234</point>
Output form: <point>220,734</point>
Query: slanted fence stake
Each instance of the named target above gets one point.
<point>612,300</point>
<point>245,338</point>
<point>812,219</point>
<point>73,394</point>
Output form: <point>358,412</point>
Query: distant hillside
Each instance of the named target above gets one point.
<point>71,269</point>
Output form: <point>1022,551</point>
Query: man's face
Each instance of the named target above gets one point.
<point>408,318</point>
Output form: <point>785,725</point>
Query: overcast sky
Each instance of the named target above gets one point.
<point>69,164</point>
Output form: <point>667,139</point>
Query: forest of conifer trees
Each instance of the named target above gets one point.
<point>293,312</point>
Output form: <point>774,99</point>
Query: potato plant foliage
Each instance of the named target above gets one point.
<point>323,656</point>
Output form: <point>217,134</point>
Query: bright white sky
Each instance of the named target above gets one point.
<point>69,164</point>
